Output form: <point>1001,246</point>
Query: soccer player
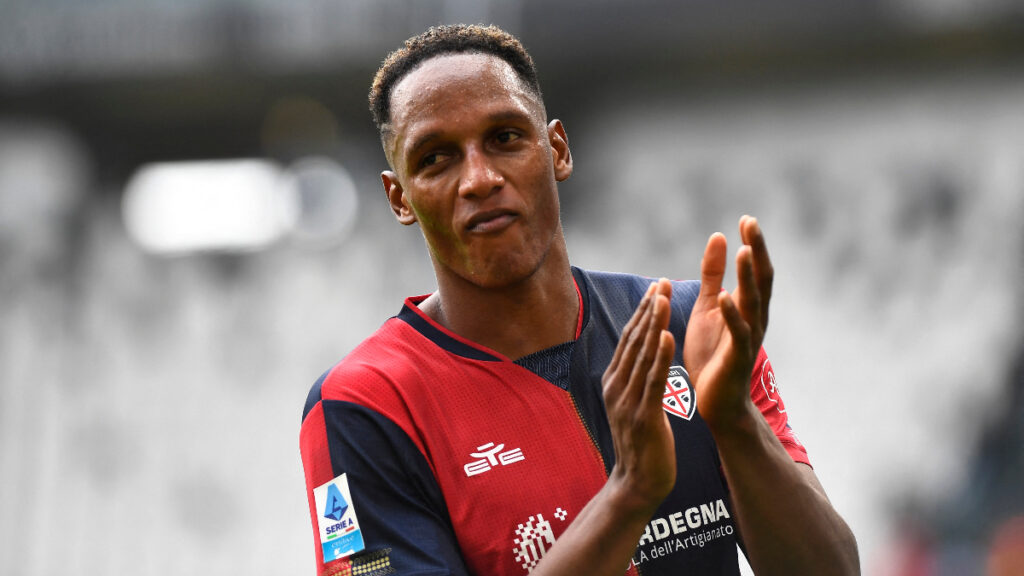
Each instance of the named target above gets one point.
<point>532,417</point>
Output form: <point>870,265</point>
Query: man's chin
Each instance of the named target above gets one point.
<point>507,272</point>
<point>499,278</point>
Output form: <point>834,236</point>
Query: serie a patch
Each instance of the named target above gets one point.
<point>340,535</point>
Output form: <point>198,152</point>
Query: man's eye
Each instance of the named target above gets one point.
<point>507,136</point>
<point>431,159</point>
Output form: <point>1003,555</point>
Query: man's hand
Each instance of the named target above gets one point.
<point>725,330</point>
<point>634,385</point>
<point>785,519</point>
<point>603,538</point>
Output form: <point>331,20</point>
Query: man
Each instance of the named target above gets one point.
<point>531,417</point>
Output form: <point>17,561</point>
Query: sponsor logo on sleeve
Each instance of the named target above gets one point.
<point>771,388</point>
<point>340,535</point>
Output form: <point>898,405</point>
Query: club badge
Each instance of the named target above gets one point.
<point>678,399</point>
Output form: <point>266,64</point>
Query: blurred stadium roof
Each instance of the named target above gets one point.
<point>143,80</point>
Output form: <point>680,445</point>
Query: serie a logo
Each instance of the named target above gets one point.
<point>336,505</point>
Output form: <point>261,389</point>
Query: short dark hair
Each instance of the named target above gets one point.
<point>447,39</point>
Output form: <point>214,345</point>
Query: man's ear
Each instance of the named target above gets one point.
<point>560,154</point>
<point>396,197</point>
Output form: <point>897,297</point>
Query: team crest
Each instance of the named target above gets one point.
<point>678,399</point>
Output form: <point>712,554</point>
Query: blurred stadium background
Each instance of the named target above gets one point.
<point>192,230</point>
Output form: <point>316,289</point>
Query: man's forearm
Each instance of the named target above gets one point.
<point>602,539</point>
<point>786,520</point>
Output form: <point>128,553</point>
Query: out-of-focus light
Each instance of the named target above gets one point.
<point>326,201</point>
<point>230,206</point>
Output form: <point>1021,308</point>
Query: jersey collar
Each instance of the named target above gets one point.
<point>455,344</point>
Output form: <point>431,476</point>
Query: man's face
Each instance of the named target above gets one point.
<point>476,166</point>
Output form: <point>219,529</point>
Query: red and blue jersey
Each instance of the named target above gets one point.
<point>425,453</point>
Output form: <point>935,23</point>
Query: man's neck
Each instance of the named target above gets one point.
<point>537,313</point>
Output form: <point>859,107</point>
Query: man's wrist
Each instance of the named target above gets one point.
<point>633,502</point>
<point>739,429</point>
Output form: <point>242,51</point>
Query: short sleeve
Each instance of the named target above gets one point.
<point>764,391</point>
<point>393,500</point>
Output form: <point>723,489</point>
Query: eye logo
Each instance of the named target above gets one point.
<point>336,504</point>
<point>490,458</point>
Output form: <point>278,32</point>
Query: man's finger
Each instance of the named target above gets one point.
<point>657,322</point>
<point>654,394</point>
<point>629,348</point>
<point>712,268</point>
<point>764,272</point>
<point>739,329</point>
<point>748,295</point>
<point>631,326</point>
<point>664,287</point>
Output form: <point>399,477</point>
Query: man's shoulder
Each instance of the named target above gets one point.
<point>374,369</point>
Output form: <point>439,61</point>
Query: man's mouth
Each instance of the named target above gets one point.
<point>491,221</point>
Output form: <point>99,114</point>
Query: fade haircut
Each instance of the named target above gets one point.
<point>441,40</point>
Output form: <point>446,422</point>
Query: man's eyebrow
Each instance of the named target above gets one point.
<point>508,115</point>
<point>422,141</point>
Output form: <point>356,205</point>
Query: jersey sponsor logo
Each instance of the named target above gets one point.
<point>691,528</point>
<point>340,535</point>
<point>534,538</point>
<point>689,519</point>
<point>492,456</point>
<point>771,388</point>
<point>678,400</point>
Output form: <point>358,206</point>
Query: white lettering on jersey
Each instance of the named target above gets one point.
<point>491,456</point>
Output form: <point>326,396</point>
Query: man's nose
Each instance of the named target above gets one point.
<point>479,175</point>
